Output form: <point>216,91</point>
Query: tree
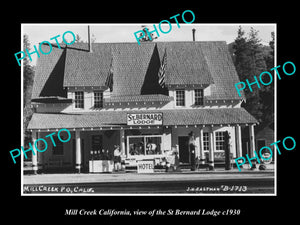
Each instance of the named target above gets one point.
<point>28,75</point>
<point>240,54</point>
<point>249,62</point>
<point>93,39</point>
<point>146,36</point>
<point>267,93</point>
<point>251,58</point>
<point>79,40</point>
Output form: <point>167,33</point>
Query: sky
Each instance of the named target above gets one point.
<point>125,32</point>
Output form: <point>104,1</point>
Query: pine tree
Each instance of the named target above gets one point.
<point>267,93</point>
<point>251,58</point>
<point>241,57</point>
<point>256,52</point>
<point>28,75</point>
<point>78,39</point>
<point>146,36</point>
<point>249,62</point>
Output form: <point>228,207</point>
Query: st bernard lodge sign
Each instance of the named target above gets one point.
<point>144,118</point>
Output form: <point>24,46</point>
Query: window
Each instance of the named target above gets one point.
<point>136,146</point>
<point>198,96</point>
<point>144,145</point>
<point>220,141</point>
<point>79,99</point>
<point>98,99</point>
<point>180,98</point>
<point>153,145</point>
<point>59,148</point>
<point>205,142</point>
<point>96,142</point>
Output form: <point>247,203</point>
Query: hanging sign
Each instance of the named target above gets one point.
<point>144,118</point>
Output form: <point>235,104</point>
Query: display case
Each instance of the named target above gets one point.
<point>101,162</point>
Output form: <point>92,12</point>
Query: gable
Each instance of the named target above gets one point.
<point>130,66</point>
<point>49,74</point>
<point>135,68</point>
<point>221,69</point>
<point>186,64</point>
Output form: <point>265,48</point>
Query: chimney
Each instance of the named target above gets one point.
<point>194,30</point>
<point>89,40</point>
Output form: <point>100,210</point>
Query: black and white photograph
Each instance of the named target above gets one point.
<point>126,109</point>
<point>132,114</point>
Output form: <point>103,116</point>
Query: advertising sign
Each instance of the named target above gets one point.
<point>145,166</point>
<point>144,118</point>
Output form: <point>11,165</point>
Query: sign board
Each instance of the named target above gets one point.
<point>145,166</point>
<point>144,119</point>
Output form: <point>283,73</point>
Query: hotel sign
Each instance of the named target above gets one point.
<point>145,166</point>
<point>144,118</point>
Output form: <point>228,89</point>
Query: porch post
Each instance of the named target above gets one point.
<point>122,141</point>
<point>202,157</point>
<point>252,144</point>
<point>78,151</point>
<point>211,165</point>
<point>238,142</point>
<point>197,144</point>
<point>34,156</point>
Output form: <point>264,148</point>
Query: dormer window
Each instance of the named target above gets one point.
<point>98,99</point>
<point>79,99</point>
<point>198,96</point>
<point>180,98</point>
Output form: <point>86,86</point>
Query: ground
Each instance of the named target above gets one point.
<point>185,182</point>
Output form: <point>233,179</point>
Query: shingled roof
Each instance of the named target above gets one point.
<point>85,69</point>
<point>135,68</point>
<point>177,117</point>
<point>49,74</point>
<point>186,63</point>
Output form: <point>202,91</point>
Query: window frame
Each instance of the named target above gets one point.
<point>198,98</point>
<point>206,140</point>
<point>178,97</point>
<point>144,140</point>
<point>79,101</point>
<point>219,143</point>
<point>98,101</point>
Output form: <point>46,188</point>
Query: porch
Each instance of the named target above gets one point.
<point>86,144</point>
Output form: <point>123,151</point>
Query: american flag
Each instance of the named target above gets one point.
<point>162,69</point>
<point>109,80</point>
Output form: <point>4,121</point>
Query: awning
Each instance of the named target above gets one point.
<point>177,117</point>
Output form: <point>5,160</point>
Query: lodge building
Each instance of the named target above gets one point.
<point>130,95</point>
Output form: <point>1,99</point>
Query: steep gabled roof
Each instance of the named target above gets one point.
<point>186,63</point>
<point>135,68</point>
<point>87,68</point>
<point>49,74</point>
<point>222,70</point>
<point>130,66</point>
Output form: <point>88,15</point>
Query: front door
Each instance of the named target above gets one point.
<point>184,154</point>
